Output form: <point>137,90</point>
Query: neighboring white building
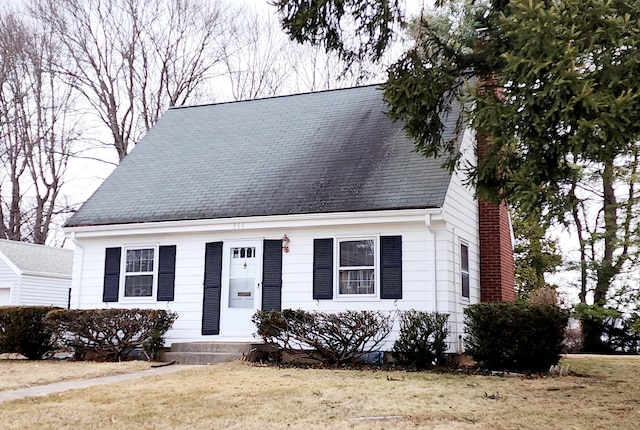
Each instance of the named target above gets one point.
<point>34,274</point>
<point>314,201</point>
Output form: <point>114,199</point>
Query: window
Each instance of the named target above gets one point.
<point>139,273</point>
<point>243,253</point>
<point>139,270</point>
<point>356,271</point>
<point>464,269</point>
<point>242,277</point>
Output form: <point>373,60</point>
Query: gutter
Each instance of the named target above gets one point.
<point>254,223</point>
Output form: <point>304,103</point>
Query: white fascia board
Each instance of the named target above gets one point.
<point>257,223</point>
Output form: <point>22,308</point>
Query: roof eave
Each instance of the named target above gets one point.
<point>256,222</point>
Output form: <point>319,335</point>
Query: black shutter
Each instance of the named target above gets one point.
<point>111,274</point>
<point>391,267</point>
<point>272,275</point>
<point>322,269</point>
<point>212,288</point>
<point>166,273</point>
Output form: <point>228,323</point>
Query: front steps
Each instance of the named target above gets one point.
<point>206,352</point>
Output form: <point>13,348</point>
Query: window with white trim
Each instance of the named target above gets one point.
<point>357,267</point>
<point>464,269</point>
<point>139,272</point>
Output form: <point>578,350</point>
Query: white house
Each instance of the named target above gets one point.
<point>314,201</point>
<point>34,274</point>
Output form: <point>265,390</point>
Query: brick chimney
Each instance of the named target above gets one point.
<point>497,271</point>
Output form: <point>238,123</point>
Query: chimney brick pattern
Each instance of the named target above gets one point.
<point>497,277</point>
<point>497,269</point>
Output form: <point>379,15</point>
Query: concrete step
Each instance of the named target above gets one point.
<point>212,347</point>
<point>206,352</point>
<point>200,357</point>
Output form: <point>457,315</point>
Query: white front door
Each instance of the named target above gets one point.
<point>241,292</point>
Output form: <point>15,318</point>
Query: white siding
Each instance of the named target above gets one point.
<point>44,291</point>
<point>5,296</point>
<point>461,213</point>
<point>9,280</point>
<point>418,254</point>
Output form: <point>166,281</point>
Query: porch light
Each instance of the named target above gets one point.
<point>285,243</point>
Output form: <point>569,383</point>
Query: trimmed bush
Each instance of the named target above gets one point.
<point>515,336</point>
<point>336,338</point>
<point>154,342</point>
<point>111,334</point>
<point>422,341</point>
<point>24,330</point>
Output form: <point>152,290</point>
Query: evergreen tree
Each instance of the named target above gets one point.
<point>551,84</point>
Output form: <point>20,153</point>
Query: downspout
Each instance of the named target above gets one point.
<point>80,249</point>
<point>432,271</point>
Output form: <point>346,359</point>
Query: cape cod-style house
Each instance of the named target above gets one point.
<point>314,201</point>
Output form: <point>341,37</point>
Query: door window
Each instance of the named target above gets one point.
<point>242,277</point>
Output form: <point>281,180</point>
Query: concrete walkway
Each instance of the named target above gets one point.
<point>57,387</point>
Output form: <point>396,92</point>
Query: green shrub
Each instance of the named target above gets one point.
<point>515,336</point>
<point>154,342</point>
<point>111,334</point>
<point>336,338</point>
<point>24,330</point>
<point>422,341</point>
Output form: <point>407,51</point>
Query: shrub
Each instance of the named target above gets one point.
<point>544,296</point>
<point>607,330</point>
<point>515,336</point>
<point>24,330</point>
<point>337,338</point>
<point>154,342</point>
<point>422,339</point>
<point>111,334</point>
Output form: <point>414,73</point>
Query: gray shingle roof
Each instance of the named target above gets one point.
<point>28,257</point>
<point>330,151</point>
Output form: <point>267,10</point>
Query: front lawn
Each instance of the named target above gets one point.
<point>242,396</point>
<point>16,374</point>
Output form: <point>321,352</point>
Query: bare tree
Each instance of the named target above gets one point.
<point>256,56</point>
<point>37,130</point>
<point>261,61</point>
<point>132,59</point>
<point>315,69</point>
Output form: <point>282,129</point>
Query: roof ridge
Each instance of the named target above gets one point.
<point>275,97</point>
<point>36,245</point>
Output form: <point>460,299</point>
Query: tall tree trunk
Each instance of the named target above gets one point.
<point>607,270</point>
<point>593,328</point>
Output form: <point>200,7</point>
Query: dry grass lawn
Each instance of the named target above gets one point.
<point>241,396</point>
<point>26,373</point>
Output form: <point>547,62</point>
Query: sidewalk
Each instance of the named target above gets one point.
<point>58,387</point>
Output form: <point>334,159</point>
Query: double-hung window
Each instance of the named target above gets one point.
<point>357,267</point>
<point>464,269</point>
<point>139,272</point>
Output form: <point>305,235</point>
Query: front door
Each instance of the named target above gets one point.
<point>241,288</point>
